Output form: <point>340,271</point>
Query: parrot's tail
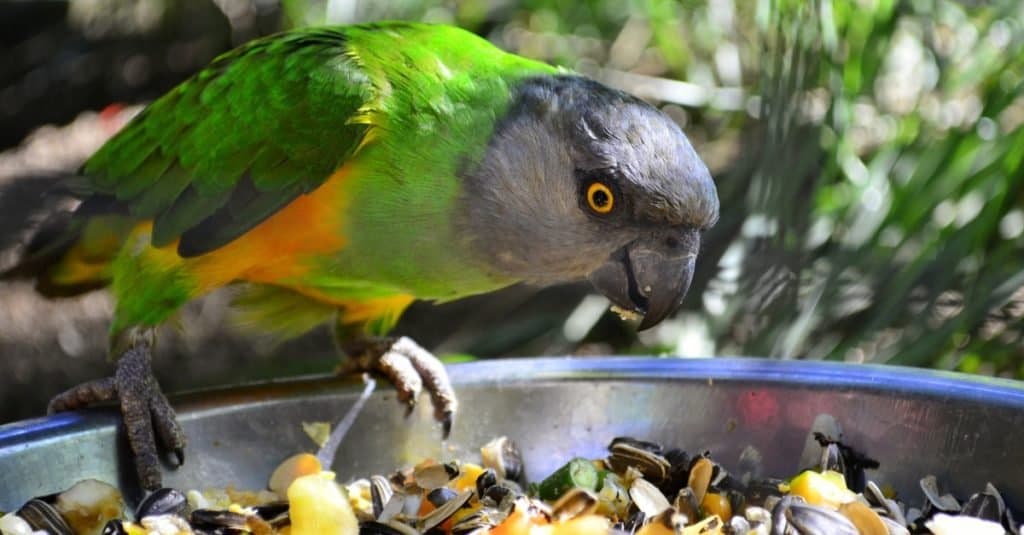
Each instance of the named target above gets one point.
<point>47,247</point>
<point>70,254</point>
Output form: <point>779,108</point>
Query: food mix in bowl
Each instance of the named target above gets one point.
<point>639,488</point>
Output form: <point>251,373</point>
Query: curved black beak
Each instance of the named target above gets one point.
<point>650,276</point>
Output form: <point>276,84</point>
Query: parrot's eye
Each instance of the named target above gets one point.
<point>600,198</point>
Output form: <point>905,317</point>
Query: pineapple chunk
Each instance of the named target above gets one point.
<point>318,506</point>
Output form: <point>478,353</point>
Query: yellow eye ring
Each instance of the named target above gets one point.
<point>600,198</point>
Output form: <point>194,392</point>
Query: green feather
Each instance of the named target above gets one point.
<point>161,194</point>
<point>276,311</point>
<point>155,166</point>
<point>274,110</point>
<point>190,207</point>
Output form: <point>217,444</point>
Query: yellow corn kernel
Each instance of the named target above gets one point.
<point>717,504</point>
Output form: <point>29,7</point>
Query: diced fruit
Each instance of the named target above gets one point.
<point>89,505</point>
<point>468,473</point>
<point>292,468</point>
<point>517,523</point>
<point>578,472</point>
<point>821,488</point>
<point>318,506</point>
<point>582,525</point>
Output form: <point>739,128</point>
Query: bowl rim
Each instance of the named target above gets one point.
<point>873,378</point>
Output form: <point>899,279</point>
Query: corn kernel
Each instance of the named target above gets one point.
<point>717,504</point>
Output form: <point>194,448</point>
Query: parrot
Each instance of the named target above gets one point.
<point>334,175</point>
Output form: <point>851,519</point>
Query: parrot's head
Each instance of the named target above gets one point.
<point>583,181</point>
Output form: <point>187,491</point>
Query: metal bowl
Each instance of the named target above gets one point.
<point>965,430</point>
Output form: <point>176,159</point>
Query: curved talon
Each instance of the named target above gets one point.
<point>446,424</point>
<point>179,454</point>
<point>410,368</point>
<point>401,373</point>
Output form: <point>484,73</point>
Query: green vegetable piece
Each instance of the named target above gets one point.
<point>578,472</point>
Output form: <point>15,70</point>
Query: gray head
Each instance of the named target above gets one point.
<point>582,181</point>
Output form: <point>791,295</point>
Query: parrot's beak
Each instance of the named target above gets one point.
<point>650,276</point>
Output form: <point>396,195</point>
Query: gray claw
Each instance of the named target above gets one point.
<point>179,454</point>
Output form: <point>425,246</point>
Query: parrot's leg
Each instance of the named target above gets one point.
<point>409,367</point>
<point>146,412</point>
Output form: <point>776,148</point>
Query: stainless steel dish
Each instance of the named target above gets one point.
<point>965,430</point>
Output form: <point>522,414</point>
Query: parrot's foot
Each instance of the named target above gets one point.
<point>147,414</point>
<point>409,367</point>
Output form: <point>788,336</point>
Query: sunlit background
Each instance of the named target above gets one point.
<point>868,157</point>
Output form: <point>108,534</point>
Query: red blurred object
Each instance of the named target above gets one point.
<point>112,117</point>
<point>758,408</point>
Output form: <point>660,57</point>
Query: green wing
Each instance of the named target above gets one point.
<point>226,149</point>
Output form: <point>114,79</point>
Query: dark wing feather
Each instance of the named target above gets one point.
<point>226,149</point>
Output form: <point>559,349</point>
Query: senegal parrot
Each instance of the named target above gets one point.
<point>339,173</point>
